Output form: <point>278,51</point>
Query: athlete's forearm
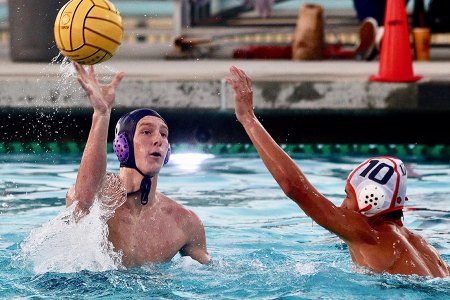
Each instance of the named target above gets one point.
<point>288,175</point>
<point>285,171</point>
<point>93,163</point>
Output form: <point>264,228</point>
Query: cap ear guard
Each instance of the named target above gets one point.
<point>371,199</point>
<point>121,147</point>
<point>124,135</point>
<point>166,159</point>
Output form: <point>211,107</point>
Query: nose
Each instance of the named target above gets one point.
<point>157,140</point>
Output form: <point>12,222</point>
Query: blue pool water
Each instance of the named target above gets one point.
<point>263,246</point>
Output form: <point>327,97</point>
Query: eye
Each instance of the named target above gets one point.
<point>164,134</point>
<point>146,132</point>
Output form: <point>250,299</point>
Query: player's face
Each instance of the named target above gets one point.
<point>150,144</point>
<point>349,201</point>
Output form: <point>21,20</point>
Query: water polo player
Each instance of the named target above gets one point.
<point>145,226</point>
<point>369,219</point>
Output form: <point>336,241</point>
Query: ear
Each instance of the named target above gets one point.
<point>166,159</point>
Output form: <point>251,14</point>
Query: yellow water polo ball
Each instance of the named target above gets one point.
<point>88,31</point>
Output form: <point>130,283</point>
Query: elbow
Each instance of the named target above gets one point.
<point>294,185</point>
<point>85,198</point>
<point>205,259</point>
<point>296,191</point>
<point>289,188</point>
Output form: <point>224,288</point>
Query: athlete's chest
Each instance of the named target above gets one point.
<point>148,239</point>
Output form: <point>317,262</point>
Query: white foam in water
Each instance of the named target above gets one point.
<point>186,263</point>
<point>305,268</point>
<point>64,246</point>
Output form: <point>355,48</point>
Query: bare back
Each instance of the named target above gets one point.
<point>388,247</point>
<point>398,251</point>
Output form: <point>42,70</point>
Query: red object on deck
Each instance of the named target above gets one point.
<point>264,52</point>
<point>285,52</point>
<point>395,58</point>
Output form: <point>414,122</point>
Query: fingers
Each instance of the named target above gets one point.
<point>246,82</point>
<point>83,77</point>
<point>117,79</point>
<point>240,81</point>
<point>89,74</point>
<point>79,68</point>
<point>235,72</point>
<point>232,82</point>
<point>241,73</point>
<point>249,82</point>
<point>92,73</point>
<point>238,73</point>
<point>83,85</point>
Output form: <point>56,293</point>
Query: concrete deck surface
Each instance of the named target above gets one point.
<point>197,102</point>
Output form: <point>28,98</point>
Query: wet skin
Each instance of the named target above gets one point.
<point>378,243</point>
<point>390,247</point>
<point>157,231</point>
<point>153,232</point>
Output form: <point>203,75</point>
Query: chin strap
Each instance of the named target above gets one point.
<point>146,185</point>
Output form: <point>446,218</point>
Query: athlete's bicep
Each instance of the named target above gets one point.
<point>315,205</point>
<point>196,241</point>
<point>351,226</point>
<point>347,224</point>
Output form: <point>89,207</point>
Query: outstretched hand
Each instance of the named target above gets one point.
<point>243,94</point>
<point>101,96</point>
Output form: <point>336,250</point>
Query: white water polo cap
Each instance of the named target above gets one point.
<point>379,185</point>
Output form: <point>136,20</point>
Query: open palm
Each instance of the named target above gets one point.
<point>101,96</point>
<point>243,93</point>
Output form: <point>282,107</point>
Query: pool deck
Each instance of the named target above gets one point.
<point>327,98</point>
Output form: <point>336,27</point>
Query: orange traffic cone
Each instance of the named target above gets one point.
<point>395,57</point>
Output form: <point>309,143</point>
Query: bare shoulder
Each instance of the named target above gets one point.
<point>419,242</point>
<point>394,233</point>
<point>183,215</point>
<point>112,191</point>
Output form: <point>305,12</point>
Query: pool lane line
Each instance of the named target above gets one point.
<point>400,150</point>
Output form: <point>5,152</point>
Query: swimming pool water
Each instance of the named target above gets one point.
<point>262,245</point>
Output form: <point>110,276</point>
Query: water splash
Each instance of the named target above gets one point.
<point>65,246</point>
<point>69,243</point>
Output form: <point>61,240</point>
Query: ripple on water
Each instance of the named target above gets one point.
<point>263,246</point>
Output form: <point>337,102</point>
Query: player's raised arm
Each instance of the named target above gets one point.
<point>93,163</point>
<point>285,171</point>
<point>288,175</point>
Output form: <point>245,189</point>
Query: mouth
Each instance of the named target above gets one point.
<point>156,154</point>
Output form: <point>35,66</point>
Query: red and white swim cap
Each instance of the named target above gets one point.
<point>379,185</point>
